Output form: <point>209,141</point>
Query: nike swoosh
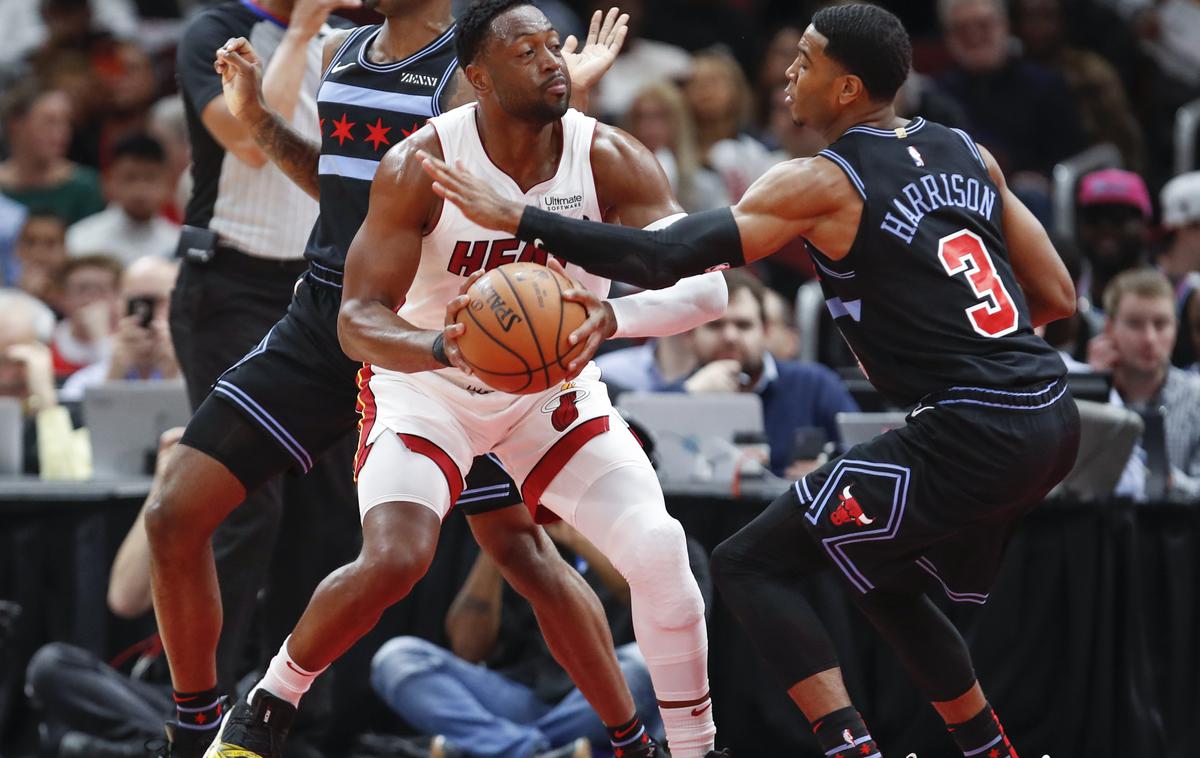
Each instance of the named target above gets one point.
<point>623,733</point>
<point>699,711</point>
<point>342,67</point>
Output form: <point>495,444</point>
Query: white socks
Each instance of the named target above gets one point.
<point>285,679</point>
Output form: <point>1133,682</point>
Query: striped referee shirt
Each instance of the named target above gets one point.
<point>258,211</point>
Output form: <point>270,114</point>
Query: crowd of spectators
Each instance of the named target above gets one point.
<point>94,176</point>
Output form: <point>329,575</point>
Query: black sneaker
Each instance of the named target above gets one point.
<point>719,754</point>
<point>649,749</point>
<point>256,729</point>
<point>182,742</point>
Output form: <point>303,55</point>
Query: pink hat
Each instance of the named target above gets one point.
<point>1113,186</point>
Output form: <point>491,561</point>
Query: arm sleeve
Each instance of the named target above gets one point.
<point>198,80</point>
<point>702,242</point>
<point>686,304</point>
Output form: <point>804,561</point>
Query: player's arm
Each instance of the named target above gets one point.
<point>1040,271</point>
<point>242,82</point>
<point>635,192</point>
<point>786,202</point>
<point>285,71</point>
<point>382,262</point>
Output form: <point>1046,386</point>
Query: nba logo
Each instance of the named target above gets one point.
<point>916,156</point>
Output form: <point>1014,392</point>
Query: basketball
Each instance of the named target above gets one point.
<point>518,327</point>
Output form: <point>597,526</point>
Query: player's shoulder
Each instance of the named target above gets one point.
<point>611,144</point>
<point>405,155</point>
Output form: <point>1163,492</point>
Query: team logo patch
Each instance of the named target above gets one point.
<point>563,407</point>
<point>848,510</point>
<point>916,156</point>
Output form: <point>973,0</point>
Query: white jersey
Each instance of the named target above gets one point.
<point>458,247</point>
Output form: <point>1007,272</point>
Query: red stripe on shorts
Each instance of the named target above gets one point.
<point>430,450</point>
<point>552,462</point>
<point>366,416</point>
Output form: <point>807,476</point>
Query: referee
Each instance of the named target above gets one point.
<point>242,248</point>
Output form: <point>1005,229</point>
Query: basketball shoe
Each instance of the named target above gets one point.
<point>655,750</point>
<point>254,729</point>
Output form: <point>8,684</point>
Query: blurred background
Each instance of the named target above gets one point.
<point>1088,645</point>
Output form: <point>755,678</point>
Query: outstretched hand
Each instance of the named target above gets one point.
<point>241,78</point>
<point>604,41</point>
<point>478,202</point>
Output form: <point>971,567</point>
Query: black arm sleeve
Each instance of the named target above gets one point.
<point>653,260</point>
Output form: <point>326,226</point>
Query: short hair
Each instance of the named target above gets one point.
<point>140,147</point>
<point>737,279</point>
<point>475,26</point>
<point>870,43</point>
<point>20,99</point>
<point>1146,283</point>
<point>107,262</point>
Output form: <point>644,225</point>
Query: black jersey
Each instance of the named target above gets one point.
<point>926,297</point>
<point>365,108</point>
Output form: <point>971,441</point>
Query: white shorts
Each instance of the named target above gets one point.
<point>534,436</point>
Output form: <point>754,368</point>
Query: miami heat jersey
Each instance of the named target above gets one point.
<point>364,109</point>
<point>926,297</point>
<point>458,247</point>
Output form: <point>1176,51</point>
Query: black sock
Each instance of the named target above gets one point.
<point>198,709</point>
<point>627,735</point>
<point>842,734</point>
<point>982,736</point>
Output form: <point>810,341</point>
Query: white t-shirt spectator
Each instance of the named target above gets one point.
<point>112,232</point>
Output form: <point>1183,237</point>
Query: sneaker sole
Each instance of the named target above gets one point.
<point>219,749</point>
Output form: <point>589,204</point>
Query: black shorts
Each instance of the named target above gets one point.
<point>935,502</point>
<point>299,393</point>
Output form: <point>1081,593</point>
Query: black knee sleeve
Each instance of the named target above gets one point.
<point>220,431</point>
<point>929,646</point>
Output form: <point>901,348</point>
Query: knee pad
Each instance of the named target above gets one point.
<point>394,474</point>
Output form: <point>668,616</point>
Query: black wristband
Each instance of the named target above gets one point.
<point>697,243</point>
<point>439,349</point>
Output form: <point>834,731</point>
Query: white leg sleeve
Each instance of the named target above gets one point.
<point>623,514</point>
<point>395,474</point>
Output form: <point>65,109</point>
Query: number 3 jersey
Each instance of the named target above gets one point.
<point>926,297</point>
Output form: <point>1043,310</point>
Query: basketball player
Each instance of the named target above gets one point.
<point>936,274</point>
<point>294,394</point>
<point>424,421</point>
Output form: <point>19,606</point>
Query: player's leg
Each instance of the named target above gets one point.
<point>403,496</point>
<point>610,493</point>
<point>567,609</point>
<point>756,571</point>
<point>936,657</point>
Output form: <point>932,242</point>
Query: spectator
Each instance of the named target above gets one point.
<point>1098,92</point>
<point>783,338</point>
<point>659,118</point>
<point>1113,226</point>
<point>1141,324</point>
<point>659,365</point>
<point>27,374</point>
<point>1192,329</point>
<point>29,25</point>
<point>722,105</point>
<point>37,123</point>
<point>1021,111</point>
<point>88,299</point>
<point>169,126</point>
<point>777,55</point>
<point>132,225</point>
<point>141,344</point>
<point>40,252</point>
<point>499,691</point>
<point>641,62</point>
<point>1181,259</point>
<point>12,220</point>
<point>921,96</point>
<point>795,395</point>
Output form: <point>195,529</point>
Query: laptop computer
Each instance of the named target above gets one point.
<point>12,442</point>
<point>124,421</point>
<point>854,428</point>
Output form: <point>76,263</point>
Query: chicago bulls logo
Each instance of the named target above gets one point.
<point>849,510</point>
<point>566,412</point>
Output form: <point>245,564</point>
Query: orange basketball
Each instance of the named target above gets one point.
<point>518,328</point>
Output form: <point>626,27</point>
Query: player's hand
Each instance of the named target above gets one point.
<point>241,79</point>
<point>453,330</point>
<point>473,196</point>
<point>604,41</point>
<point>132,344</point>
<point>308,16</point>
<point>600,324</point>
<point>718,376</point>
<point>1101,353</point>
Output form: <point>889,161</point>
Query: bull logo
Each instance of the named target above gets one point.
<point>849,510</point>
